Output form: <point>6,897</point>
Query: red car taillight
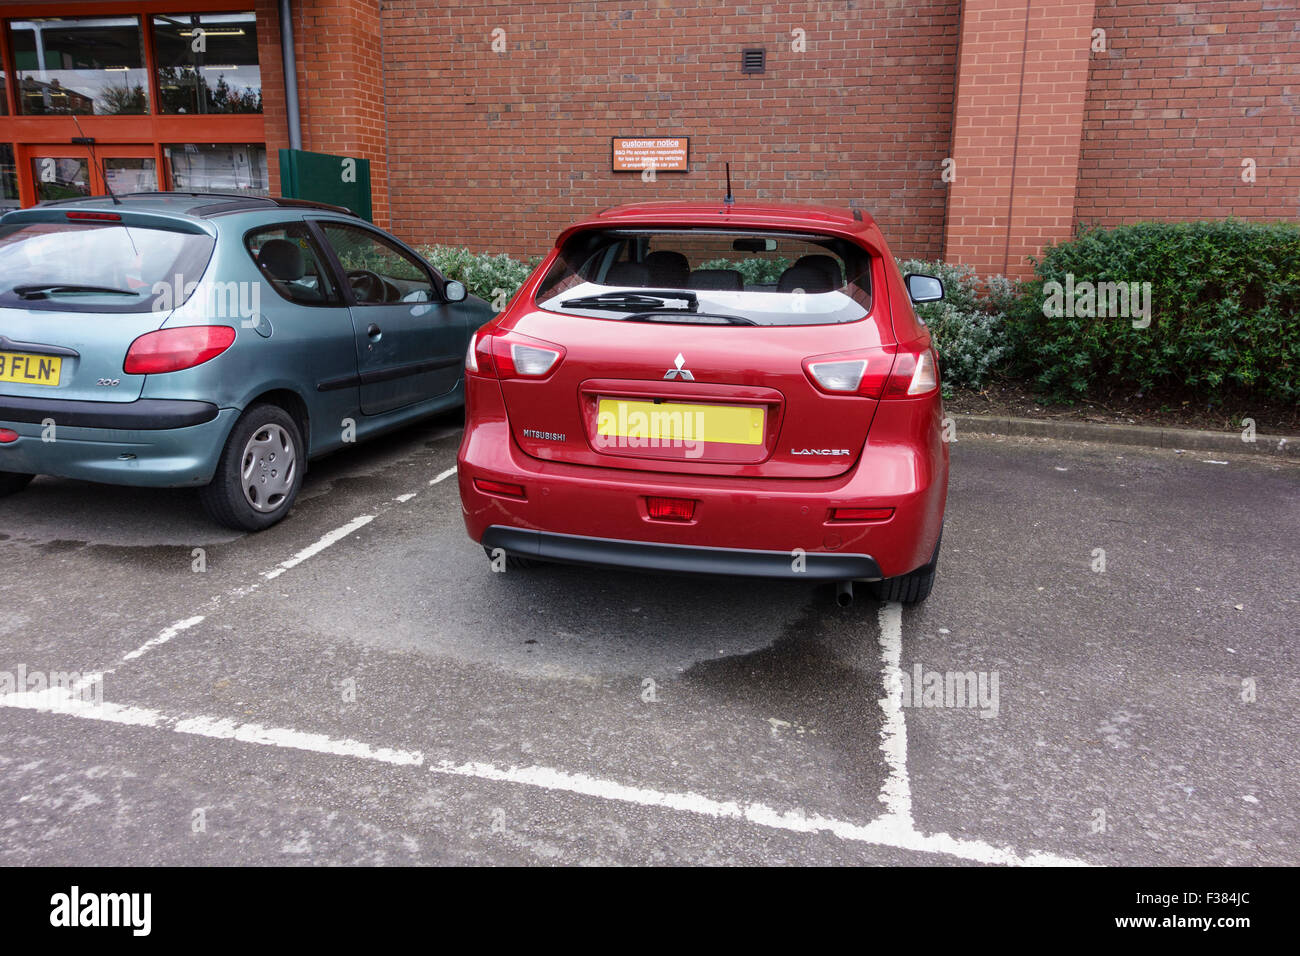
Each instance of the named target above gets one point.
<point>861,514</point>
<point>511,355</point>
<point>670,509</point>
<point>94,216</point>
<point>505,489</point>
<point>170,350</point>
<point>888,372</point>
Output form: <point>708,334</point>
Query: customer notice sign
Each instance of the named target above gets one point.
<point>664,155</point>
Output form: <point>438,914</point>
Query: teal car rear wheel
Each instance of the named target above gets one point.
<point>259,472</point>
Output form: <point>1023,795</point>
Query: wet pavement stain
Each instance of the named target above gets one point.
<point>818,687</point>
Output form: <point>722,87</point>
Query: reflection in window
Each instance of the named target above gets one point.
<point>80,65</point>
<point>8,178</point>
<point>219,168</point>
<point>4,100</point>
<point>59,177</point>
<point>207,63</point>
<point>130,175</point>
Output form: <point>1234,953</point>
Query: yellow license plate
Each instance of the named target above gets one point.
<point>30,369</point>
<point>675,421</point>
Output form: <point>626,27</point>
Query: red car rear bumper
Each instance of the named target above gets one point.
<point>750,526</point>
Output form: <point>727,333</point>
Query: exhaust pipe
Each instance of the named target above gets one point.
<point>844,593</point>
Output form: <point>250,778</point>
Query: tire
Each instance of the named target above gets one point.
<point>911,588</point>
<point>253,488</point>
<point>514,562</point>
<point>12,482</point>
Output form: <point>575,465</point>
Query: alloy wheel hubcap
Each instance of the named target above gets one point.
<point>268,469</point>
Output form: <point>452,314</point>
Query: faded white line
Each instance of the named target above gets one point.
<point>165,635</point>
<point>223,729</point>
<point>888,831</point>
<point>333,537</point>
<point>896,792</point>
<point>403,499</point>
<point>882,832</point>
<point>61,701</point>
<point>443,476</point>
<point>897,828</point>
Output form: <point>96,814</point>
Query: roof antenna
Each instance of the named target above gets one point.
<point>730,200</point>
<point>89,143</point>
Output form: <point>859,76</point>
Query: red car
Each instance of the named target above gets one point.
<point>712,389</point>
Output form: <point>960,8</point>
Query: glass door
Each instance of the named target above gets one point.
<point>60,172</point>
<point>130,169</point>
<point>68,172</point>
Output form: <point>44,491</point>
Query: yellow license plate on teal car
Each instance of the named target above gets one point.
<point>678,421</point>
<point>30,369</point>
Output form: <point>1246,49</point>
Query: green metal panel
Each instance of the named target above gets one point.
<point>341,180</point>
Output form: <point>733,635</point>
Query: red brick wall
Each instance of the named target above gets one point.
<point>1020,92</point>
<point>501,151</point>
<point>273,106</point>
<point>1183,94</point>
<point>340,85</point>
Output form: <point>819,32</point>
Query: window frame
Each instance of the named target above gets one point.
<point>336,299</point>
<point>436,280</point>
<point>153,130</point>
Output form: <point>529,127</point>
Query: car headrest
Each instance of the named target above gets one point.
<point>282,259</point>
<point>808,278</point>
<point>668,269</point>
<point>727,280</point>
<point>827,264</point>
<point>628,273</point>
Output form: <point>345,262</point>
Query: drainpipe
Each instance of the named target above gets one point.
<point>290,75</point>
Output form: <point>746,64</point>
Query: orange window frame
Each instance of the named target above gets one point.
<point>116,135</point>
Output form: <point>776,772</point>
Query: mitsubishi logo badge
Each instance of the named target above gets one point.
<point>679,372</point>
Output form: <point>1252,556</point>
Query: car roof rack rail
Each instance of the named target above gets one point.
<point>222,202</point>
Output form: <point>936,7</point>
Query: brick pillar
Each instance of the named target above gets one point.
<point>1022,80</point>
<point>273,106</point>
<point>340,85</point>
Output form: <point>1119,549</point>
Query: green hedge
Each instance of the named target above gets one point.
<point>1224,314</point>
<point>969,325</point>
<point>1224,311</point>
<point>494,277</point>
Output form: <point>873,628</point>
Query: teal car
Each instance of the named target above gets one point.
<point>216,342</point>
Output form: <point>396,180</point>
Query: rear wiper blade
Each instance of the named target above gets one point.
<point>692,318</point>
<point>41,291</point>
<point>634,301</point>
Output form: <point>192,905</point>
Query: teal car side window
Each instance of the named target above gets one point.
<point>377,270</point>
<point>289,260</point>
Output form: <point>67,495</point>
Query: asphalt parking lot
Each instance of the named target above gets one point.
<point>356,686</point>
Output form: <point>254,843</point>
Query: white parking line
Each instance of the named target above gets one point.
<point>338,534</point>
<point>881,832</point>
<point>894,829</point>
<point>165,635</point>
<point>896,792</point>
<point>169,632</point>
